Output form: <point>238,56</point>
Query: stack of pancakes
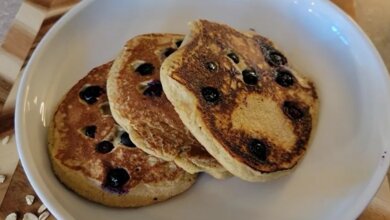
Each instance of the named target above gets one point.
<point>137,130</point>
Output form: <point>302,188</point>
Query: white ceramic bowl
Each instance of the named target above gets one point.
<point>344,165</point>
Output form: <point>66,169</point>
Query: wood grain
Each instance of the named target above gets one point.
<point>5,87</point>
<point>31,23</point>
<point>15,200</point>
<point>34,19</point>
<point>347,5</point>
<point>379,208</point>
<point>18,32</point>
<point>7,124</point>
<point>53,3</point>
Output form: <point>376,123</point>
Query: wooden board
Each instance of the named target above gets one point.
<point>347,5</point>
<point>33,20</point>
<point>15,200</point>
<point>379,208</point>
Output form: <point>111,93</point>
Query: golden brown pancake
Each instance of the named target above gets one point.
<point>140,106</point>
<point>241,99</point>
<point>95,158</point>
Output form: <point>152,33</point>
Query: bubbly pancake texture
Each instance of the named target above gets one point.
<point>241,99</point>
<point>94,157</point>
<point>139,105</point>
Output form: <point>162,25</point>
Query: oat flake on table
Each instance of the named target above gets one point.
<point>41,209</point>
<point>2,178</point>
<point>29,216</point>
<point>44,215</point>
<point>5,140</point>
<point>11,216</point>
<point>30,199</point>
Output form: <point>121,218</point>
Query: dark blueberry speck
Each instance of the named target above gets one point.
<point>250,76</point>
<point>273,56</point>
<point>90,94</point>
<point>104,147</point>
<point>116,178</point>
<point>90,131</point>
<point>153,88</point>
<point>145,69</point>
<point>284,78</point>
<point>169,51</point>
<point>178,43</point>
<point>292,110</point>
<point>276,59</point>
<point>125,140</point>
<point>210,94</point>
<point>211,66</point>
<point>234,57</point>
<point>258,148</point>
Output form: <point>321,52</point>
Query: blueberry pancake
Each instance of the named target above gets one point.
<point>95,157</point>
<point>241,99</point>
<point>139,105</point>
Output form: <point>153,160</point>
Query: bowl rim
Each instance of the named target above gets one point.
<point>58,211</point>
<point>21,95</point>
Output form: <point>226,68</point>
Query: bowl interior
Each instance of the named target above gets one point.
<point>344,165</point>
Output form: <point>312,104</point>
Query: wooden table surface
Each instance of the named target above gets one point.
<point>35,17</point>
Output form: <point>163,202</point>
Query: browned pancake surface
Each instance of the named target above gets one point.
<point>146,110</point>
<point>262,123</point>
<point>72,148</point>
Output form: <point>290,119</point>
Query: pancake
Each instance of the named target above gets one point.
<point>241,99</point>
<point>140,106</point>
<point>94,157</point>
